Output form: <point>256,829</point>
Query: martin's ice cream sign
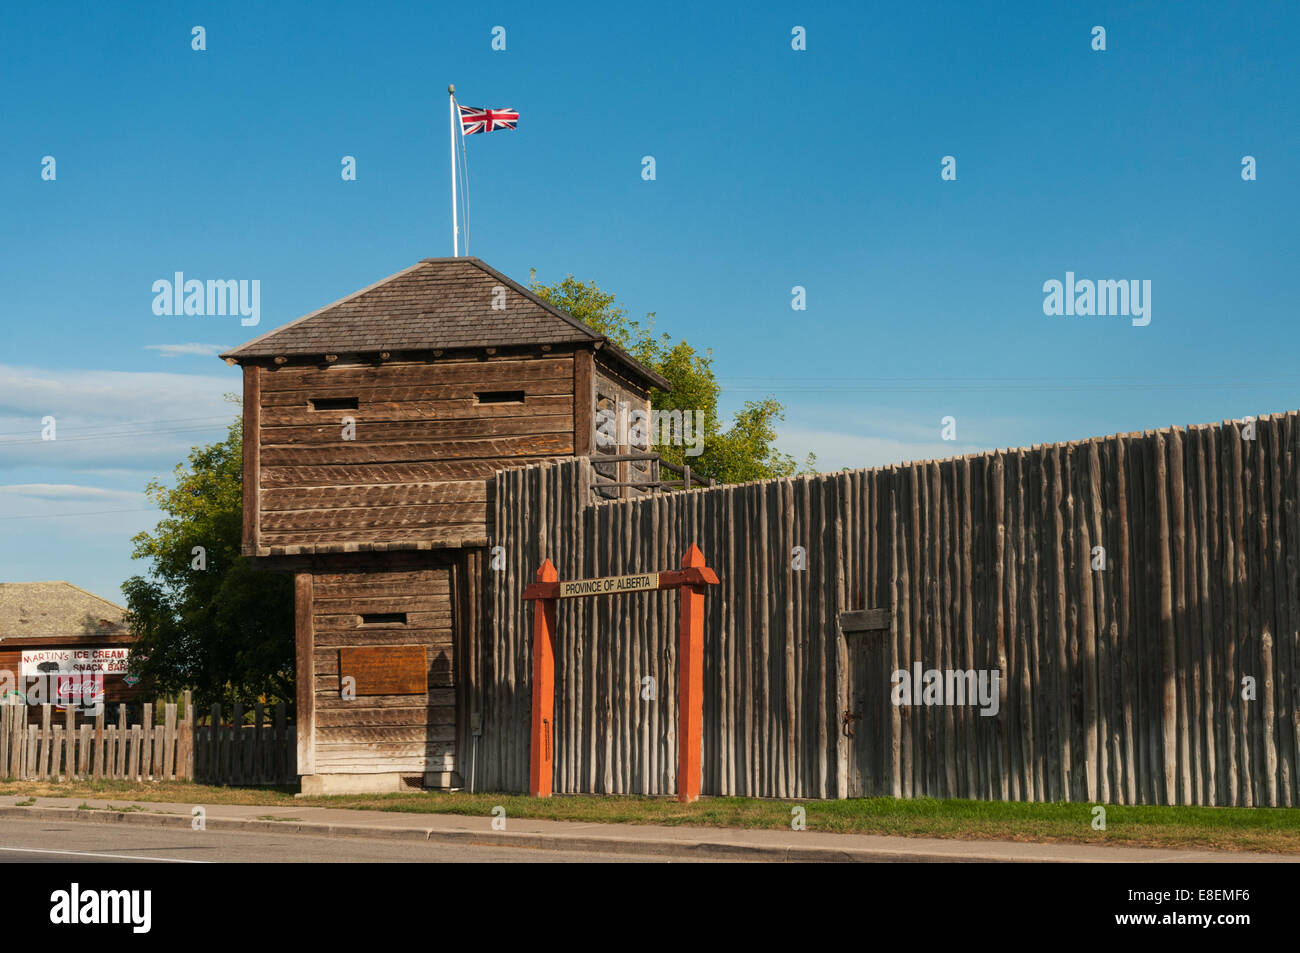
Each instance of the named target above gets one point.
<point>89,661</point>
<point>72,676</point>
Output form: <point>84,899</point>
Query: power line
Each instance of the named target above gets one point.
<point>972,384</point>
<point>53,516</point>
<point>111,435</point>
<point>128,423</point>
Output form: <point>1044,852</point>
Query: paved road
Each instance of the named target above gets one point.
<point>42,841</point>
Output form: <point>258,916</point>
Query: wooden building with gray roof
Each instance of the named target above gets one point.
<point>373,428</point>
<point>55,628</point>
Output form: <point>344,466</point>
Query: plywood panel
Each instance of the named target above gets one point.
<point>384,670</point>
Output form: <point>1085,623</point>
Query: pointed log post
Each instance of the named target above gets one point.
<point>541,749</point>
<point>690,682</point>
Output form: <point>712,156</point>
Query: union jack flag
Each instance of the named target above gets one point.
<point>473,119</point>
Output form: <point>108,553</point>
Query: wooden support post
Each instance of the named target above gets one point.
<point>542,746</point>
<point>624,467</point>
<point>305,650</point>
<point>252,459</point>
<point>690,682</point>
<point>185,746</point>
<point>119,762</point>
<point>70,732</point>
<point>584,402</point>
<point>98,763</point>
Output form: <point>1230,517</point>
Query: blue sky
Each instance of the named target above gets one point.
<point>775,168</point>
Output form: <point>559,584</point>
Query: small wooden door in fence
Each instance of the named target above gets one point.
<point>265,752</point>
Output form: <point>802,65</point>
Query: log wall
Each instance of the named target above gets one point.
<point>1121,684</point>
<point>418,463</point>
<point>407,732</point>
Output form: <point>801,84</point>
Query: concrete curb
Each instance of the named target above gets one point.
<point>685,848</point>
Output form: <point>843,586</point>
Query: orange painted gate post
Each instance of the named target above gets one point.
<point>690,682</point>
<point>542,749</point>
<point>691,580</point>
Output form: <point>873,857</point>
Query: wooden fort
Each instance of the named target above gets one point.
<point>373,429</point>
<point>1136,595</point>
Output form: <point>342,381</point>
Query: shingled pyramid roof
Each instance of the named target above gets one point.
<point>436,304</point>
<point>45,610</point>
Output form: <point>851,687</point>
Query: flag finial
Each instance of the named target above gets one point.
<point>451,88</point>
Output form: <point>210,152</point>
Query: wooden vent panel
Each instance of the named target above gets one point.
<point>864,620</point>
<point>385,669</point>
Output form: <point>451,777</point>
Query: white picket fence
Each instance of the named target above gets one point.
<point>34,745</point>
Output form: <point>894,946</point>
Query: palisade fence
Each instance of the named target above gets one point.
<point>1137,595</point>
<point>35,746</point>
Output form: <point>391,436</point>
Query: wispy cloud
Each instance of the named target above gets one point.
<point>72,531</point>
<point>869,436</point>
<point>179,350</point>
<point>857,436</point>
<point>69,492</point>
<point>106,420</point>
<point>33,512</point>
<point>836,450</point>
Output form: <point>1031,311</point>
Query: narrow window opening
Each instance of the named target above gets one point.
<point>383,618</point>
<point>333,403</point>
<point>499,397</point>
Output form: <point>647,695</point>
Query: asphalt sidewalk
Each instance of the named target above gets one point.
<point>686,842</point>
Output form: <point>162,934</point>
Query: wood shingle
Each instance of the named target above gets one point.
<point>437,304</point>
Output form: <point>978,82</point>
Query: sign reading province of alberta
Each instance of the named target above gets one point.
<point>609,585</point>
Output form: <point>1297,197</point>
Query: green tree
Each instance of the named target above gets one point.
<point>204,618</point>
<point>744,451</point>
